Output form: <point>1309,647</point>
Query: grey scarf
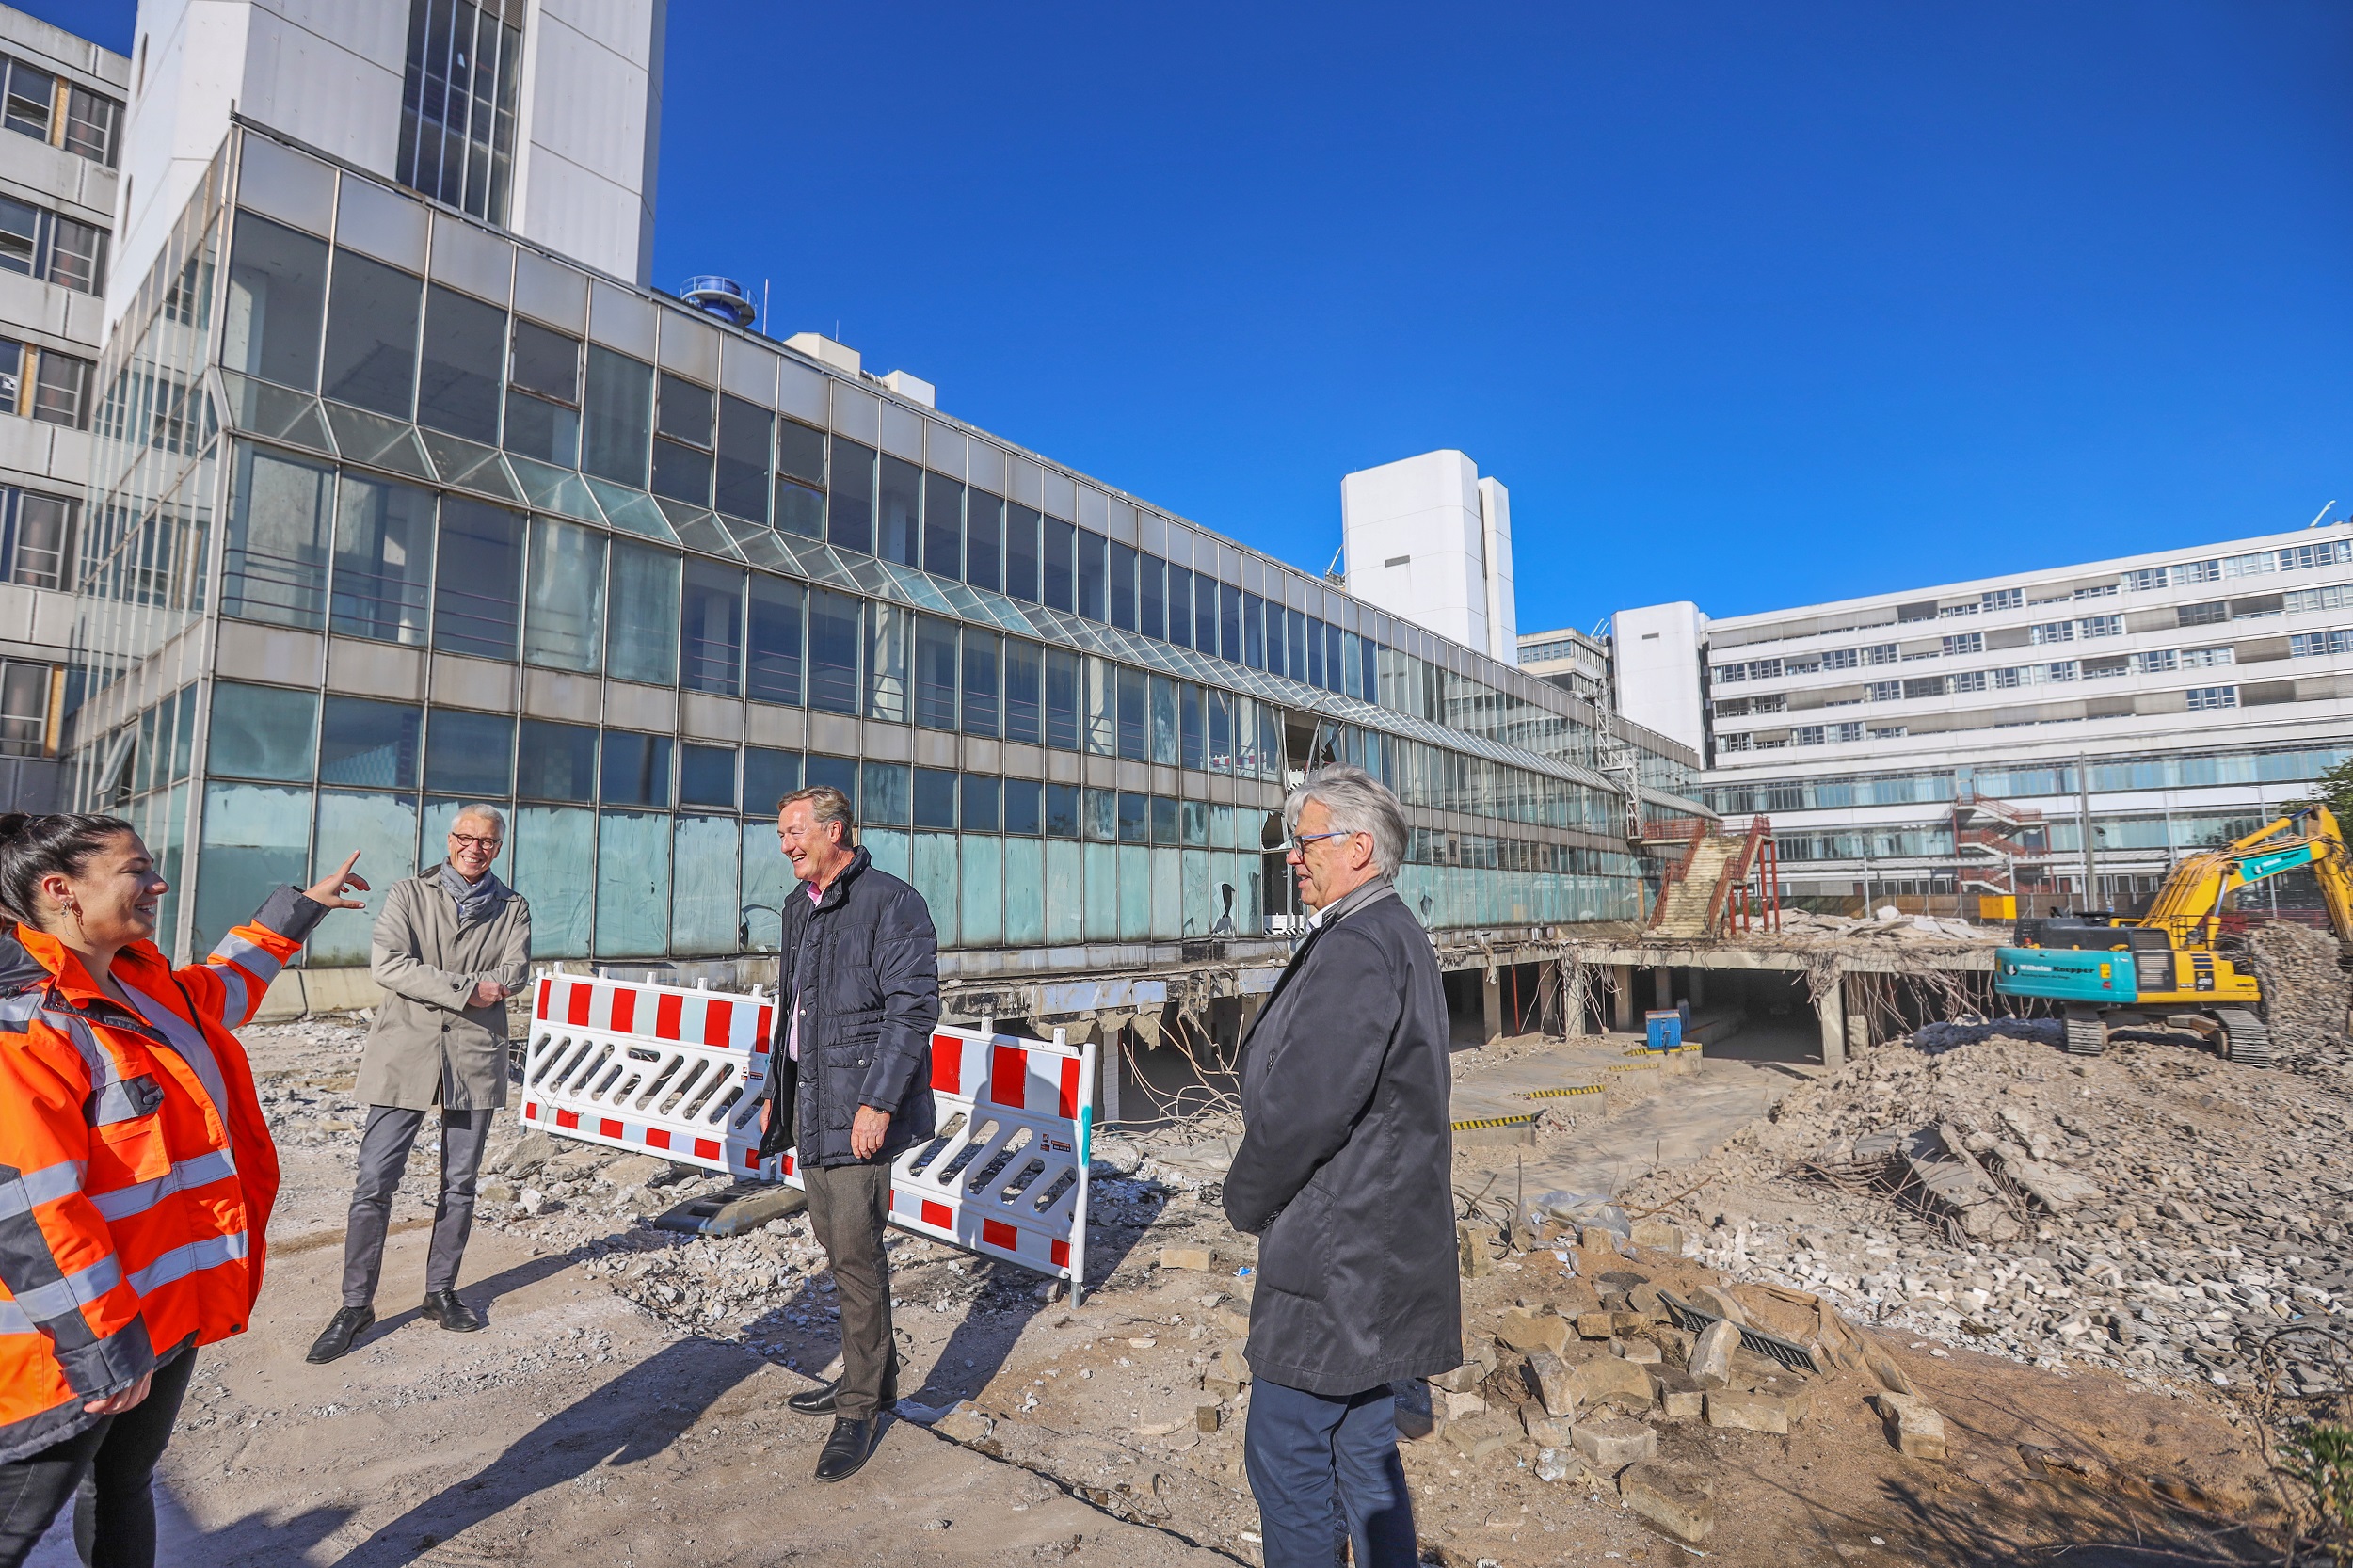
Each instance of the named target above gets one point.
<point>476,901</point>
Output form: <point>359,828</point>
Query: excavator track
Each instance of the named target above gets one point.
<point>2245,1039</point>
<point>2087,1035</point>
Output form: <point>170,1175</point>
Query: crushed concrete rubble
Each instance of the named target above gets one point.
<point>2156,1211</point>
<point>1615,1387</point>
<point>2307,993</point>
<point>1890,923</point>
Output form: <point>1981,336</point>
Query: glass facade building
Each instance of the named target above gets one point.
<point>393,512</point>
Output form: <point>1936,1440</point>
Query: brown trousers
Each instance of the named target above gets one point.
<point>848,1206</point>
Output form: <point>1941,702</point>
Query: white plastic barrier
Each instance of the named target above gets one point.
<point>661,1069</point>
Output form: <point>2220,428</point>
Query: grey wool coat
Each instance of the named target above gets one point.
<point>427,1047</point>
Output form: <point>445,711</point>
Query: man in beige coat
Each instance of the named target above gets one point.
<point>451,946</point>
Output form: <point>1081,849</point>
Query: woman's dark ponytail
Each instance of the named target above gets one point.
<point>56,843</point>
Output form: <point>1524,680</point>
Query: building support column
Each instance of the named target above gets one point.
<point>1624,999</point>
<point>1491,998</point>
<point>1662,987</point>
<point>1574,980</point>
<point>1832,1008</point>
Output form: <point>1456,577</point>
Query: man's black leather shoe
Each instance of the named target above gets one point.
<point>346,1325</point>
<point>819,1400</point>
<point>443,1307</point>
<point>851,1444</point>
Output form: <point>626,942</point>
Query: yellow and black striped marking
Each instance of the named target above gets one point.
<point>1556,1094</point>
<point>1478,1124</point>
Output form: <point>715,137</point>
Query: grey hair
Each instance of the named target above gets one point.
<point>1358,803</point>
<point>826,803</point>
<point>480,809</point>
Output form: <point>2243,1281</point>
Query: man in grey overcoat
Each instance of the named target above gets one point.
<point>453,942</point>
<point>1345,1175</point>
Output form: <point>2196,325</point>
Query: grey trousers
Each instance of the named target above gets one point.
<point>848,1206</point>
<point>383,1156</point>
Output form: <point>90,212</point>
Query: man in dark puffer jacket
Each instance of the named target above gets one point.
<point>849,1085</point>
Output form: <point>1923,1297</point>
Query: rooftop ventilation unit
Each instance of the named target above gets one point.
<point>723,297</point>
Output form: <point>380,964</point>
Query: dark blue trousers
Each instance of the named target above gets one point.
<point>1325,1472</point>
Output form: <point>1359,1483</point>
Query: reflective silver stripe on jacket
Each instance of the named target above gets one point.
<point>188,1040</point>
<point>256,961</point>
<point>113,1100</point>
<point>201,1171</point>
<point>74,1291</point>
<point>210,1253</point>
<point>21,1194</point>
<point>13,1320</point>
<point>20,1010</point>
<point>232,992</point>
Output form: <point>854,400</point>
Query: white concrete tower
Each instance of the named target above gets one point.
<point>540,115</point>
<point>1429,540</point>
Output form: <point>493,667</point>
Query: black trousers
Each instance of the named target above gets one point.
<point>107,1471</point>
<point>848,1206</point>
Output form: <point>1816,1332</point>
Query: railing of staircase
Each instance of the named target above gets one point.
<point>1731,888</point>
<point>1675,874</point>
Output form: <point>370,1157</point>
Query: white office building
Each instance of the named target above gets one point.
<point>1429,542</point>
<point>61,138</point>
<point>1950,741</point>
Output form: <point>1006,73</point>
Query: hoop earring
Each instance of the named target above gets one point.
<point>73,908</point>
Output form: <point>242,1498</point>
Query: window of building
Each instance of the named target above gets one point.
<point>1121,583</point>
<point>1732,743</point>
<point>1844,733</point>
<point>769,776</point>
<point>468,754</point>
<point>2337,595</point>
<point>1180,617</point>
<point>93,125</point>
<point>40,539</point>
<point>1967,642</point>
<point>477,579</point>
<point>641,635</point>
<point>274,563</point>
<point>1024,807</point>
<point>2055,631</point>
<point>24,709</point>
<point>277,301</point>
<point>557,761</point>
<point>982,711</point>
<point>2211,613</point>
<point>681,446</point>
<point>1193,724</point>
<point>2303,557</point>
<point>2155,661</point>
<point>1093,576</point>
<point>883,792</point>
<point>706,776</point>
<point>457,382</point>
<point>888,634</point>
<point>543,394</point>
<point>1841,659</point>
<point>2207,698</point>
<point>1925,685</point>
<point>383,560</point>
<point>935,672</point>
<point>1889,733</point>
<point>1024,676</point>
<point>1160,702</point>
<point>1969,681</point>
<point>2207,658</point>
<point>1022,546</point>
<point>2146,579</point>
<point>2100,625</point>
<point>1062,812</point>
<point>1065,682</point>
<point>61,389</point>
<point>31,100</point>
<point>1132,731</point>
<point>563,619</point>
<point>77,255</point>
<point>20,236</point>
<point>617,418</point>
<point>850,501</point>
<point>636,769</point>
<point>711,628</point>
<point>934,799</point>
<point>372,318</point>
<point>835,635</point>
<point>458,102</point>
<point>943,526</point>
<point>2261,563</point>
<point>898,511</point>
<point>1058,559</point>
<point>263,733</point>
<point>1229,641</point>
<point>772,670</point>
<point>742,488</point>
<point>2308,644</point>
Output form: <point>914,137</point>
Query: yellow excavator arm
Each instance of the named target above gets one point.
<point>2191,902</point>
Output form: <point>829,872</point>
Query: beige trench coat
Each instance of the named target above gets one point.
<point>427,1047</point>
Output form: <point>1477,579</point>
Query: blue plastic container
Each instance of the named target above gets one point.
<point>1663,1029</point>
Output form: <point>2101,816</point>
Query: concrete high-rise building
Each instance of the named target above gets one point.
<point>1572,660</point>
<point>403,499</point>
<point>1429,542</point>
<point>540,116</point>
<point>60,139</point>
<point>1944,742</point>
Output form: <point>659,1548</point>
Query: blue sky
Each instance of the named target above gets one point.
<point>1747,309</point>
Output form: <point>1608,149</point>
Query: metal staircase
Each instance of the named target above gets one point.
<point>1723,881</point>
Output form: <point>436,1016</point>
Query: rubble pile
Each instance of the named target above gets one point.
<point>2155,1209</point>
<point>2306,992</point>
<point>1888,924</point>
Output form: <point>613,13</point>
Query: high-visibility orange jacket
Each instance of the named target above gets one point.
<point>136,1173</point>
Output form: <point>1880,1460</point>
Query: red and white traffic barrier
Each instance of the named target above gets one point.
<point>675,1072</point>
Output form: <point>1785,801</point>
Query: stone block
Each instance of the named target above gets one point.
<point>1614,1442</point>
<point>1194,1259</point>
<point>1639,1352</point>
<point>1915,1430</point>
<point>1627,1320</point>
<point>1596,1325</point>
<point>1232,1321</point>
<point>1643,1299</point>
<point>1658,1235</point>
<point>1221,1387</point>
<point>1231,1363</point>
<point>1550,1378</point>
<point>1678,1394</point>
<point>1711,1353</point>
<point>964,1423</point>
<point>1755,1412</point>
<point>1677,1503</point>
<point>1479,1436</point>
<point>1470,1243</point>
<point>1206,1417</point>
<point>1576,1295</point>
<point>1459,1406</point>
<point>1708,1298</point>
<point>1606,1380</point>
<point>1890,1376</point>
<point>1597,1239</point>
<point>1546,1432</point>
<point>1532,1330</point>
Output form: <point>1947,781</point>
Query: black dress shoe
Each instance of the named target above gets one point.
<point>819,1400</point>
<point>346,1325</point>
<point>443,1307</point>
<point>849,1445</point>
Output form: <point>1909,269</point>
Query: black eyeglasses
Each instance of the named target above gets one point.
<point>489,846</point>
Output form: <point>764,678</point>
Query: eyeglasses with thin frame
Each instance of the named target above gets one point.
<point>1297,844</point>
<point>488,846</point>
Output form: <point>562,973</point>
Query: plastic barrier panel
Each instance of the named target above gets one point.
<point>662,1069</point>
<point>650,1068</point>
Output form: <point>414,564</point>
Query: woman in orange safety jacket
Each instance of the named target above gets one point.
<point>136,1173</point>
